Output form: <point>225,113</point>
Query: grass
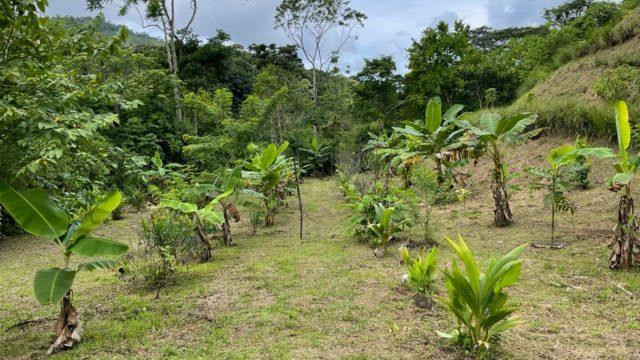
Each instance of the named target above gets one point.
<point>327,296</point>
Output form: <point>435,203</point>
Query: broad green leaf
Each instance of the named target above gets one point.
<point>489,122</point>
<point>211,217</point>
<point>269,155</point>
<point>453,111</point>
<point>185,208</point>
<point>97,265</point>
<point>623,128</point>
<point>433,115</point>
<point>622,178</point>
<point>34,211</point>
<point>94,218</point>
<point>51,285</point>
<point>95,246</point>
<point>283,147</point>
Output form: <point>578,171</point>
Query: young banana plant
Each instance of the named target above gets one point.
<point>38,215</point>
<point>200,217</point>
<point>625,244</point>
<point>555,179</point>
<point>493,133</point>
<point>429,138</point>
<point>265,171</point>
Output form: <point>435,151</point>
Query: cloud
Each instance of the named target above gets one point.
<point>506,13</point>
<point>388,31</point>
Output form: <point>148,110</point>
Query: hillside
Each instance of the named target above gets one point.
<point>574,97</point>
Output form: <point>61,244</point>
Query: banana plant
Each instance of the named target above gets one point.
<point>392,151</point>
<point>555,179</point>
<point>267,171</point>
<point>430,137</point>
<point>200,217</point>
<point>316,157</point>
<point>38,215</point>
<point>477,299</point>
<point>491,135</point>
<point>625,244</point>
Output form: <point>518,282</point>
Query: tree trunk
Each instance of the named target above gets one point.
<point>502,210</point>
<point>68,326</point>
<point>625,245</point>
<point>295,172</point>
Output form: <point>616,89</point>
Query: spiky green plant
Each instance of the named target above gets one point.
<point>477,299</point>
<point>421,270</point>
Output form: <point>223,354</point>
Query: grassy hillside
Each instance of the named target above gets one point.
<point>274,297</point>
<point>574,97</point>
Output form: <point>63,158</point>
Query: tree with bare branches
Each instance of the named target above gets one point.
<point>320,29</point>
<point>159,14</point>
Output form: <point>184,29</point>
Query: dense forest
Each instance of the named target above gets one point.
<point>98,122</point>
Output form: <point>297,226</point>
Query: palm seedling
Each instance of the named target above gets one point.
<point>386,225</point>
<point>38,215</point>
<point>421,271</point>
<point>477,299</point>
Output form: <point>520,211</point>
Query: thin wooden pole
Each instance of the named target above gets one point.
<point>295,164</point>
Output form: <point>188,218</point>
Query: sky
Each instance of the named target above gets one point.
<point>389,29</point>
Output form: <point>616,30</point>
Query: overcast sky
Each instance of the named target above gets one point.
<point>388,31</point>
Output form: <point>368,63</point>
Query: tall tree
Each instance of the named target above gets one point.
<point>309,24</point>
<point>160,14</point>
<point>432,65</point>
<point>377,92</point>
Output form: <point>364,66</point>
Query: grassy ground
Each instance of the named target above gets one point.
<point>327,296</point>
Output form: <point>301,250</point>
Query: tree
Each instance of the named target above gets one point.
<point>432,64</point>
<point>162,15</point>
<point>491,135</point>
<point>38,215</point>
<point>309,24</point>
<point>555,179</point>
<point>377,93</point>
<point>565,13</point>
<point>285,57</point>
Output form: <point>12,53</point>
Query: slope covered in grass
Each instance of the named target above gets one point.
<point>275,297</point>
<point>567,100</point>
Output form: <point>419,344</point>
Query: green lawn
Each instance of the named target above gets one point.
<point>327,296</point>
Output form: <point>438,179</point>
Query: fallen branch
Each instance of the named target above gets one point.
<point>621,287</point>
<point>30,321</point>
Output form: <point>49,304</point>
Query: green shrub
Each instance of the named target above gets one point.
<point>477,299</point>
<point>620,83</point>
<point>425,185</point>
<point>421,271</point>
<point>173,233</point>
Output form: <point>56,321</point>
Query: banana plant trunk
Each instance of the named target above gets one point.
<point>226,227</point>
<point>501,211</point>
<point>68,326</point>
<point>207,252</point>
<point>625,245</point>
